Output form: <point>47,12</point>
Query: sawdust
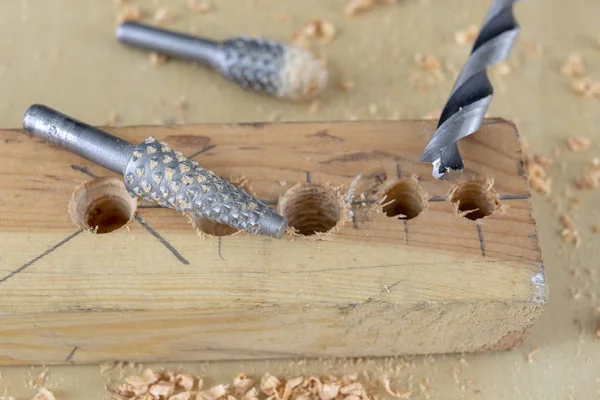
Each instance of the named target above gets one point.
<point>466,36</point>
<point>356,7</point>
<point>573,67</point>
<point>586,87</point>
<point>579,144</point>
<point>536,168</point>
<point>44,394</point>
<point>163,16</point>
<point>131,13</point>
<point>569,233</point>
<point>199,8</point>
<point>319,29</point>
<point>591,176</point>
<point>157,59</point>
<point>428,62</point>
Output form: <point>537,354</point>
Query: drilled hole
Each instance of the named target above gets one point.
<point>102,205</point>
<point>474,200</point>
<point>311,209</point>
<point>212,228</point>
<point>404,199</point>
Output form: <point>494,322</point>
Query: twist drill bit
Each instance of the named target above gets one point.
<point>155,172</point>
<point>262,65</point>
<point>472,92</point>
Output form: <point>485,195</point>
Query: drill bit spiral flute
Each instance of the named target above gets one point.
<point>155,172</point>
<point>261,65</point>
<point>472,92</point>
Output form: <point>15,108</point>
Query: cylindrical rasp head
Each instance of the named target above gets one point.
<point>159,174</point>
<point>472,93</point>
<point>276,69</point>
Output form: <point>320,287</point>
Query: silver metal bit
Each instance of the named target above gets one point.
<point>155,172</point>
<point>472,92</point>
<point>262,65</point>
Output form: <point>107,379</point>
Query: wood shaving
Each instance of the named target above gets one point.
<point>427,62</point>
<point>579,144</point>
<point>355,7</point>
<point>300,41</point>
<point>251,394</point>
<point>586,88</point>
<point>394,393</point>
<point>269,384</point>
<point>113,119</point>
<point>131,13</point>
<point>186,382</point>
<point>162,16</point>
<point>531,354</point>
<point>242,384</point>
<point>466,36</point>
<point>344,84</point>
<point>314,106</point>
<point>44,394</point>
<point>214,393</point>
<point>536,168</point>
<point>573,67</point>
<point>199,8</point>
<point>320,29</point>
<point>503,68</point>
<point>161,389</point>
<point>157,59</point>
<point>591,177</point>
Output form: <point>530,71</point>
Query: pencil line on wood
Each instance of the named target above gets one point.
<point>435,199</point>
<point>398,171</point>
<point>220,255</point>
<point>85,170</point>
<point>149,206</point>
<point>405,232</point>
<point>162,240</point>
<point>308,178</point>
<point>514,197</point>
<point>44,254</point>
<point>204,150</point>
<point>481,241</point>
<point>71,354</point>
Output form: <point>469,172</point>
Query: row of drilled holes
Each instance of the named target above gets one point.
<point>103,205</point>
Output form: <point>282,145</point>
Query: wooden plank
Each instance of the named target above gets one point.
<point>375,286</point>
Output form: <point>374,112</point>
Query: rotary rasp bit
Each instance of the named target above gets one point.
<point>155,172</point>
<point>262,65</point>
<point>472,92</point>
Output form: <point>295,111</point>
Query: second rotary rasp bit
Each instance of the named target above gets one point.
<point>261,65</point>
<point>155,172</point>
<point>472,92</point>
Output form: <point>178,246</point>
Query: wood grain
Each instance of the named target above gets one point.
<point>157,291</point>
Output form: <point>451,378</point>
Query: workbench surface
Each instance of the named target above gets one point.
<point>63,54</point>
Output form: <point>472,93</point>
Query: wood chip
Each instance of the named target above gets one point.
<point>394,393</point>
<point>427,62</point>
<point>157,59</point>
<point>242,384</point>
<point>131,13</point>
<point>182,396</point>
<point>214,393</point>
<point>536,168</point>
<point>251,394</point>
<point>162,388</point>
<point>319,29</point>
<point>199,8</point>
<point>466,36</point>
<point>44,394</point>
<point>579,144</point>
<point>573,67</point>
<point>355,7</point>
<point>269,384</point>
<point>586,88</point>
<point>591,177</point>
<point>186,382</point>
<point>344,84</point>
<point>162,16</point>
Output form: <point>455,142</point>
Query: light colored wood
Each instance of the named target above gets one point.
<point>378,286</point>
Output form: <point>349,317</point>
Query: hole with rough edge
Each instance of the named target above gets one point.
<point>311,209</point>
<point>102,205</point>
<point>212,228</point>
<point>404,199</point>
<point>474,200</point>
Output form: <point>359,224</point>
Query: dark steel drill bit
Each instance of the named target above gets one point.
<point>262,65</point>
<point>472,92</point>
<point>157,173</point>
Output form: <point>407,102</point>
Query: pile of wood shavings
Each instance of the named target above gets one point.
<point>169,385</point>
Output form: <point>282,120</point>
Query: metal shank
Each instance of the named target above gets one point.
<point>170,43</point>
<point>77,137</point>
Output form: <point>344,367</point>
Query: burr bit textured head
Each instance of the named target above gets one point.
<point>157,173</point>
<point>282,71</point>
